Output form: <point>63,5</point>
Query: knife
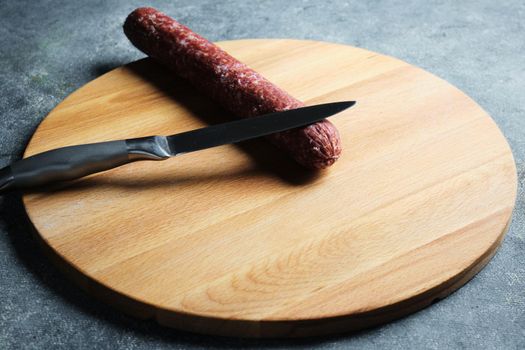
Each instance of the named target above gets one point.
<point>72,162</point>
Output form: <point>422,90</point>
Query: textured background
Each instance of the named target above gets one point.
<point>51,48</point>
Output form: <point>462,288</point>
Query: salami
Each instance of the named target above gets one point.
<point>232,84</point>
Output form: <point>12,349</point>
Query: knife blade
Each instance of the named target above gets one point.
<point>72,162</point>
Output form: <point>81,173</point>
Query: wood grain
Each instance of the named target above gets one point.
<point>238,240</point>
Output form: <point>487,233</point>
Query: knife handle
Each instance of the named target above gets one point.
<point>73,162</point>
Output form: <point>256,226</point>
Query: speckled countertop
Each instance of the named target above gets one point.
<point>50,48</point>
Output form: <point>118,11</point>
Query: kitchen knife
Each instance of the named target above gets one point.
<point>72,162</point>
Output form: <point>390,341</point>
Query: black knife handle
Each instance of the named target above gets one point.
<point>73,162</point>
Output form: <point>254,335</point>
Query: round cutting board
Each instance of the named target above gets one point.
<point>238,240</point>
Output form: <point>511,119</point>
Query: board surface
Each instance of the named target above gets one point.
<point>238,240</point>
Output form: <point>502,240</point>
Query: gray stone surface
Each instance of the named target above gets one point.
<point>50,48</point>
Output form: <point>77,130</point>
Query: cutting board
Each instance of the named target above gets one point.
<point>239,240</point>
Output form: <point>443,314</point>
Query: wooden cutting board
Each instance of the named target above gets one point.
<point>238,240</point>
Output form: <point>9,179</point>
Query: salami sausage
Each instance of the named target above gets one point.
<point>232,84</point>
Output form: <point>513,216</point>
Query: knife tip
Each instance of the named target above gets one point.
<point>344,105</point>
